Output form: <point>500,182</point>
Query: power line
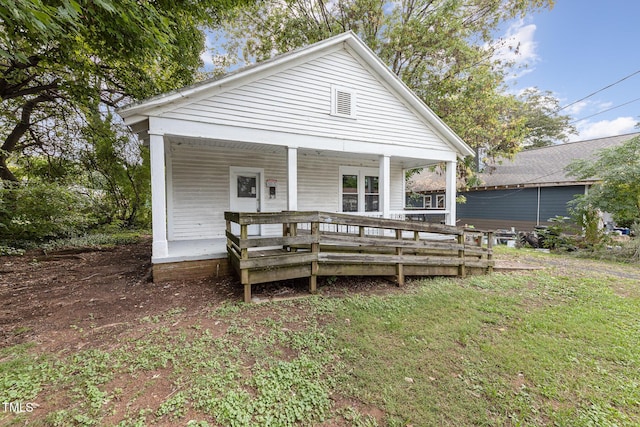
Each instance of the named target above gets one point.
<point>598,91</point>
<point>604,111</point>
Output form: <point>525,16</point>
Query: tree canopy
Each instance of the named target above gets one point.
<point>618,189</point>
<point>64,66</point>
<point>62,60</point>
<point>442,49</point>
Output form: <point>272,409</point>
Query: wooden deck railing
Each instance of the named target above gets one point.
<point>316,244</point>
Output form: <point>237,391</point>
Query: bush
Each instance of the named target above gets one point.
<point>558,235</point>
<point>627,252</point>
<point>41,211</point>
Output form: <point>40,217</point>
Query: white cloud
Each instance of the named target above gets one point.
<point>517,45</point>
<point>207,58</point>
<point>577,108</point>
<point>604,128</point>
<point>207,54</point>
<point>581,107</point>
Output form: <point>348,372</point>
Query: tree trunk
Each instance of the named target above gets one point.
<point>5,173</point>
<point>11,142</point>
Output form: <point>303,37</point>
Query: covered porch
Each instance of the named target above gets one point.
<point>287,179</point>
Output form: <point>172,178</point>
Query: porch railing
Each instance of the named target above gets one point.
<point>316,244</point>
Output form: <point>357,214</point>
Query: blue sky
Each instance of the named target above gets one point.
<point>577,48</point>
<point>573,50</point>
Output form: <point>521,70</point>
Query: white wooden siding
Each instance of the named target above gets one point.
<point>200,191</point>
<point>199,194</point>
<point>298,101</point>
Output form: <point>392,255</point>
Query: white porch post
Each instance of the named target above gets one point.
<point>292,178</point>
<point>384,183</point>
<point>158,196</point>
<point>450,197</point>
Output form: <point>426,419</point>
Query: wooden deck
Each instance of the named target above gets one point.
<point>316,244</point>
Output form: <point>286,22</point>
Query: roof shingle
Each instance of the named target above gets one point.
<point>536,167</point>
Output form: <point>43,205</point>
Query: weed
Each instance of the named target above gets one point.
<point>174,406</point>
<point>534,348</point>
<point>11,251</point>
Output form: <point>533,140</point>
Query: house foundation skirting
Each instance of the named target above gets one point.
<point>191,270</point>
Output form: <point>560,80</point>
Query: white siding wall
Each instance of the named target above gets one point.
<point>199,193</point>
<point>199,189</point>
<point>298,100</point>
<point>319,182</point>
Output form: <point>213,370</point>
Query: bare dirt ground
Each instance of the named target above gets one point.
<point>43,297</point>
<point>47,298</point>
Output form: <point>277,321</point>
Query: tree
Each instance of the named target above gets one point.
<point>63,60</point>
<point>442,49</point>
<point>618,189</point>
<point>543,125</point>
<point>118,170</point>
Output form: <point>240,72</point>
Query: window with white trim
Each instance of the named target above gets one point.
<point>359,189</point>
<point>343,102</point>
<point>440,201</point>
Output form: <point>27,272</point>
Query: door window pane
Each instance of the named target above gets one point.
<point>371,184</point>
<point>247,186</point>
<point>371,203</point>
<point>371,194</point>
<point>349,203</point>
<point>349,193</point>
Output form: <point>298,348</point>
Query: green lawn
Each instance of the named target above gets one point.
<point>559,346</point>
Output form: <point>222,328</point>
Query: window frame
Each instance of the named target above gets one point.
<point>361,173</point>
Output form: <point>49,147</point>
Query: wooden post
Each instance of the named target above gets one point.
<point>315,249</point>
<point>244,234</point>
<point>293,232</point>
<point>247,292</point>
<point>244,273</point>
<point>399,265</point>
<point>489,251</point>
<point>462,268</point>
<point>416,236</point>
<point>285,233</point>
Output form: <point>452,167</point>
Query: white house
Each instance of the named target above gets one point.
<point>327,127</point>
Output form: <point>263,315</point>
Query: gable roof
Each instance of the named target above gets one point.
<point>546,165</point>
<point>543,166</point>
<point>140,111</point>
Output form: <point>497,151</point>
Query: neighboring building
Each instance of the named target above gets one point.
<point>327,127</point>
<point>521,193</point>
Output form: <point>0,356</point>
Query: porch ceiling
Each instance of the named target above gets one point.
<point>405,162</point>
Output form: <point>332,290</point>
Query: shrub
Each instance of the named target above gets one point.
<point>39,211</point>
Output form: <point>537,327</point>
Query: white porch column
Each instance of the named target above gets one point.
<point>292,178</point>
<point>450,197</point>
<point>384,183</point>
<point>158,196</point>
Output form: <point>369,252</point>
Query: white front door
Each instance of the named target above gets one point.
<point>245,194</point>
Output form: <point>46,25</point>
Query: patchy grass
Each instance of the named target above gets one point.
<point>558,346</point>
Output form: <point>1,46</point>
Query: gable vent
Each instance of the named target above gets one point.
<point>343,102</point>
